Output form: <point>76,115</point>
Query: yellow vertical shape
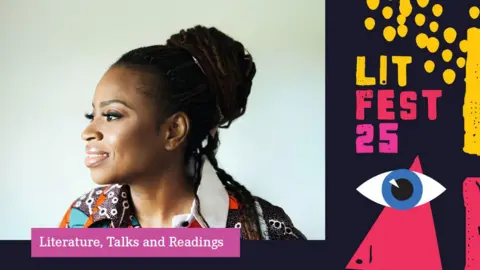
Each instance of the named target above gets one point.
<point>471,105</point>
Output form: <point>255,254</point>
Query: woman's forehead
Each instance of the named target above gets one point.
<point>120,84</point>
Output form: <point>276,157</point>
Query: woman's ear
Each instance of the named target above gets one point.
<point>177,128</point>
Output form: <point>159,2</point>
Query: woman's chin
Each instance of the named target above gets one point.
<point>102,179</point>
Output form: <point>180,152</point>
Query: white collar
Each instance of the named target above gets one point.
<point>214,202</point>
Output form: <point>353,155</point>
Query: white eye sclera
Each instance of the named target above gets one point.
<point>401,189</point>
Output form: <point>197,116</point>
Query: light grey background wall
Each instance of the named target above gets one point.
<point>53,52</point>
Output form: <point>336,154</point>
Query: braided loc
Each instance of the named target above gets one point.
<point>207,75</point>
<point>249,215</point>
<point>230,71</point>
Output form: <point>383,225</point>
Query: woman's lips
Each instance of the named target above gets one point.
<point>94,159</point>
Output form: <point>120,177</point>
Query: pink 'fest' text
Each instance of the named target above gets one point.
<point>391,106</point>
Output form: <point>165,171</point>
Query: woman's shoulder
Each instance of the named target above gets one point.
<point>278,224</point>
<point>83,207</point>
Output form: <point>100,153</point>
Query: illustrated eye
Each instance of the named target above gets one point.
<point>401,189</point>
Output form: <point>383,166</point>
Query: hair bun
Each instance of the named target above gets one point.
<point>228,66</point>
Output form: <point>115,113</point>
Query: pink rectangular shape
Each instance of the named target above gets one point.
<point>181,242</point>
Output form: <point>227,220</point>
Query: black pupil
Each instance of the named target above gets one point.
<point>404,190</point>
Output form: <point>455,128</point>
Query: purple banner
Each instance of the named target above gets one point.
<point>136,242</point>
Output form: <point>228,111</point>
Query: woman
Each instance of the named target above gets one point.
<point>154,124</point>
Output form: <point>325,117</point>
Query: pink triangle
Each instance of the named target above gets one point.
<point>416,166</point>
<point>400,240</point>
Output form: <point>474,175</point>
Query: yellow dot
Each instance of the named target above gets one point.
<point>401,19</point>
<point>420,19</point>
<point>474,12</point>
<point>373,4</point>
<point>429,66</point>
<point>447,55</point>
<point>461,62</point>
<point>387,12</point>
<point>422,3</point>
<point>405,8</point>
<point>433,44</point>
<point>434,27</point>
<point>463,46</point>
<point>450,35</point>
<point>449,76</point>
<point>437,10</point>
<point>369,23</point>
<point>422,40</point>
<point>389,33</point>
<point>402,30</point>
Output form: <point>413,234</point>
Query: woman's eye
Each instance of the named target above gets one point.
<point>401,189</point>
<point>111,116</point>
<point>89,116</point>
<point>108,116</point>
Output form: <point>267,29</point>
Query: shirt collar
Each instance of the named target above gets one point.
<point>116,205</point>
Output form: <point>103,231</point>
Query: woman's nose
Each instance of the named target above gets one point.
<point>91,133</point>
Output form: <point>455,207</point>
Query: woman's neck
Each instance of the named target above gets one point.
<point>158,199</point>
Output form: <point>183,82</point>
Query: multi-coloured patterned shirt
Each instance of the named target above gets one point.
<point>110,207</point>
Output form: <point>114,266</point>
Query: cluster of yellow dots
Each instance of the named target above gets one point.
<point>389,32</point>
<point>423,41</point>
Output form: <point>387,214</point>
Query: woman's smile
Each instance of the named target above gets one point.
<point>95,157</point>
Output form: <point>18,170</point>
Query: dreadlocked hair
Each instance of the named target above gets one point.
<point>208,76</point>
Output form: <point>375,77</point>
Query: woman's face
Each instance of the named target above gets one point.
<point>123,142</point>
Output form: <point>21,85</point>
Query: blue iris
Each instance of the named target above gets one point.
<point>414,183</point>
